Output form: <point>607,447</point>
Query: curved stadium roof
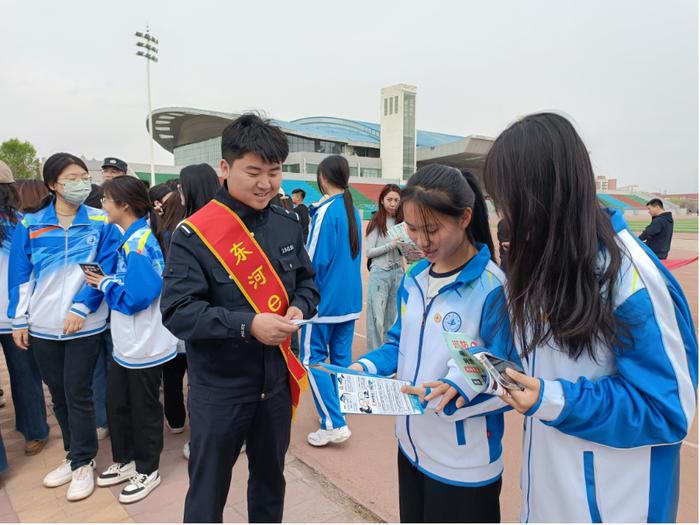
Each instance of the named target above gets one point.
<point>175,127</point>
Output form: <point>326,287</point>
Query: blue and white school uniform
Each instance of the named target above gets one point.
<point>602,443</point>
<point>339,278</point>
<point>133,294</point>
<point>45,280</point>
<point>449,446</point>
<point>25,380</point>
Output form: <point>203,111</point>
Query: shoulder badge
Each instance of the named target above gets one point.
<point>185,230</point>
<point>279,210</point>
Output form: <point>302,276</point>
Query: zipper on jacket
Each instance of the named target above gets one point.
<point>426,310</point>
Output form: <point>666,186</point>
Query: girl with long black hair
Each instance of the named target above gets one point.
<point>141,343</point>
<point>334,246</point>
<point>605,336</point>
<point>385,266</point>
<point>449,463</point>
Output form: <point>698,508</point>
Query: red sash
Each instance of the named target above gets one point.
<point>223,232</point>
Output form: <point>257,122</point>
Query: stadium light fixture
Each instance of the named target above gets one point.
<point>146,48</point>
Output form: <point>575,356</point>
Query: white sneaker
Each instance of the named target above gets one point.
<point>83,482</point>
<point>322,437</point>
<point>186,451</point>
<point>102,432</point>
<point>116,473</point>
<point>59,476</point>
<point>140,486</point>
<point>175,430</point>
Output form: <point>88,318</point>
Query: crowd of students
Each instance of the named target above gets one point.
<point>601,329</point>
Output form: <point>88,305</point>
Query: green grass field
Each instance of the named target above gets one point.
<point>679,225</point>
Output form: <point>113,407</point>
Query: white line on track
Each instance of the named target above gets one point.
<point>694,445</point>
<point>360,335</point>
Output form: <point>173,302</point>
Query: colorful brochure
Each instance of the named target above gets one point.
<point>484,371</point>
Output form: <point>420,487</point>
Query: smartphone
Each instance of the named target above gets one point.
<point>92,268</point>
<point>496,367</point>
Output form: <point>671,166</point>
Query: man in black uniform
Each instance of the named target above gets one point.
<point>239,384</point>
<point>302,210</point>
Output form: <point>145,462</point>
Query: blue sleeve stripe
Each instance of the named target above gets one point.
<point>315,233</point>
<point>664,312</point>
<point>537,404</point>
<point>78,312</point>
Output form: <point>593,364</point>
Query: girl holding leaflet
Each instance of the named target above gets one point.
<point>449,464</point>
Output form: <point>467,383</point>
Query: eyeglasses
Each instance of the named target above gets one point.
<point>75,178</point>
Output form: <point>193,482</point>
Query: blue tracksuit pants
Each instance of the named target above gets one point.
<point>321,343</point>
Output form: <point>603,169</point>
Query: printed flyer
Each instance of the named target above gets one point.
<point>362,393</point>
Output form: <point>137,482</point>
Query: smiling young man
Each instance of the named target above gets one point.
<point>237,275</point>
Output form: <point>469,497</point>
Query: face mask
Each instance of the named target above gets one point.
<point>75,192</point>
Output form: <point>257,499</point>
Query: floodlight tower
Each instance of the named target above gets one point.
<point>146,48</point>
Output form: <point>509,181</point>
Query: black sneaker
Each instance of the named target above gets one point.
<point>140,486</point>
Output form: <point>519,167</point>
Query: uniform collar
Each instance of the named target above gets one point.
<point>617,219</point>
<point>472,271</point>
<point>49,216</point>
<point>140,223</point>
<point>243,211</point>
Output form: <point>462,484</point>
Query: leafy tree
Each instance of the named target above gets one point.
<point>21,158</point>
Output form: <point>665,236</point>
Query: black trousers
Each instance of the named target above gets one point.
<point>173,397</point>
<point>135,416</point>
<point>217,432</point>
<point>67,367</point>
<point>425,500</point>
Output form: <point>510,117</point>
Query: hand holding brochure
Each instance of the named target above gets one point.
<point>362,393</point>
<point>406,246</point>
<point>484,372</point>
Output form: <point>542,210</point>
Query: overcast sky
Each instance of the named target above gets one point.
<point>625,71</point>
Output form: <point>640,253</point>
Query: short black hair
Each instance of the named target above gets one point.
<point>251,134</point>
<point>656,202</point>
<point>300,191</point>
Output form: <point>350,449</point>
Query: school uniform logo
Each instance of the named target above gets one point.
<point>452,322</point>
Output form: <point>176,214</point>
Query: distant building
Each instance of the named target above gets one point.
<point>602,183</point>
<point>390,150</point>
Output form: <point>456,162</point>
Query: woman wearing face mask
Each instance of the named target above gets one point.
<point>62,317</point>
<point>385,266</point>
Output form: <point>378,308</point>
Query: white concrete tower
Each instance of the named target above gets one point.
<point>398,131</point>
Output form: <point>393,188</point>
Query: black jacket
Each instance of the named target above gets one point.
<point>658,234</point>
<point>204,307</point>
<point>303,211</point>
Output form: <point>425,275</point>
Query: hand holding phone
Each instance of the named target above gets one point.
<point>93,273</point>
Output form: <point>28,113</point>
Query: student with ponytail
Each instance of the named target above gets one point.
<point>335,252</point>
<point>449,463</point>
<point>141,343</point>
